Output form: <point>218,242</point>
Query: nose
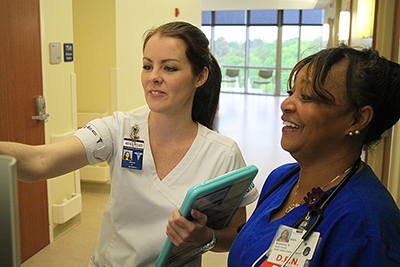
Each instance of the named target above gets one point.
<point>288,105</point>
<point>155,76</point>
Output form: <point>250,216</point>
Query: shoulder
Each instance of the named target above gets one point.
<point>366,199</point>
<point>365,205</point>
<point>222,151</point>
<point>121,117</point>
<point>282,170</point>
<point>121,121</point>
<point>214,138</point>
<point>276,175</point>
<point>365,190</point>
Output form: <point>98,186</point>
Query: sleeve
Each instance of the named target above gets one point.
<point>251,194</point>
<point>97,140</point>
<point>236,161</point>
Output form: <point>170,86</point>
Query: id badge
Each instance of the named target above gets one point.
<point>132,154</point>
<point>285,241</point>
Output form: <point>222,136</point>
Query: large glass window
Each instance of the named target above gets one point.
<point>230,17</point>
<point>229,49</point>
<point>262,56</point>
<point>312,17</point>
<point>263,17</point>
<point>311,40</point>
<point>258,48</point>
<point>262,46</point>
<point>206,18</point>
<point>290,53</point>
<point>291,17</point>
<point>229,45</point>
<point>290,45</point>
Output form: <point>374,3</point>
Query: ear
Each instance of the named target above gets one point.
<point>202,77</point>
<point>363,119</point>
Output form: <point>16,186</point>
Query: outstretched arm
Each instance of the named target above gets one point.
<point>35,163</point>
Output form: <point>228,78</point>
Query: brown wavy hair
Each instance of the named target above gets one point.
<point>206,98</point>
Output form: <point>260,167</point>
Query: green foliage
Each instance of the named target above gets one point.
<point>263,54</point>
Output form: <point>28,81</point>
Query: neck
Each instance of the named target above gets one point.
<point>322,172</point>
<point>167,128</point>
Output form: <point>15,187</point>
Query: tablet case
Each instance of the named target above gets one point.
<point>218,198</point>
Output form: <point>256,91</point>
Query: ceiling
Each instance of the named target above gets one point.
<point>263,4</point>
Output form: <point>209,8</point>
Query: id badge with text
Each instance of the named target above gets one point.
<point>285,241</point>
<point>132,154</point>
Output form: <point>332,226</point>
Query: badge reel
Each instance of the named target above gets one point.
<point>132,152</point>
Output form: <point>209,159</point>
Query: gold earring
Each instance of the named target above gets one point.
<point>350,133</point>
<point>357,132</point>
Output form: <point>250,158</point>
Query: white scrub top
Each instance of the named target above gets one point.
<point>140,204</point>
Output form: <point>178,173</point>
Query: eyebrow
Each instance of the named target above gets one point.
<point>162,61</point>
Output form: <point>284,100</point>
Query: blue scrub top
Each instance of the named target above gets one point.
<point>360,227</point>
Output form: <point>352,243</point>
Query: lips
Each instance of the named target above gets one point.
<point>156,92</point>
<point>291,125</point>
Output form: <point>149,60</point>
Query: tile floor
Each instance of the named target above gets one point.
<point>253,121</point>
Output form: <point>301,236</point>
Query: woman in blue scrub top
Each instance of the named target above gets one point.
<point>341,101</point>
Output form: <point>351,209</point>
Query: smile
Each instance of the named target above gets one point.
<point>155,92</point>
<point>290,124</point>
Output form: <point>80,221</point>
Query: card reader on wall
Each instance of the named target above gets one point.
<point>55,53</point>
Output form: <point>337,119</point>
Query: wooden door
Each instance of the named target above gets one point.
<point>20,83</point>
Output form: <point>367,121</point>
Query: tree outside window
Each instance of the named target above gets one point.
<point>248,41</point>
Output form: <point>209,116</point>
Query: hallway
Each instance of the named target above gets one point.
<point>252,120</point>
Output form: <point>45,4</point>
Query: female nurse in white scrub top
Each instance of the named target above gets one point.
<point>172,147</point>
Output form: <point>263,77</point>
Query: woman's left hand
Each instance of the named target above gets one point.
<point>181,231</point>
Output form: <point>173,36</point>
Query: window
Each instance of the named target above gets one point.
<point>263,17</point>
<point>230,17</point>
<point>229,45</point>
<point>255,42</point>
<point>262,56</point>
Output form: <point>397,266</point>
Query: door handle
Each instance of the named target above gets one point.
<point>41,114</point>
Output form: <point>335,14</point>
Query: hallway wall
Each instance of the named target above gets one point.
<point>58,89</point>
<point>108,37</point>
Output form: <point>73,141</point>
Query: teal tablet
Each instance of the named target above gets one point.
<point>218,198</point>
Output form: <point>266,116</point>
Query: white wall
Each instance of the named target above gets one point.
<point>262,4</point>
<point>108,36</point>
<point>58,89</point>
<point>133,18</point>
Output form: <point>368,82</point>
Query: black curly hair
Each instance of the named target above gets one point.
<point>371,80</point>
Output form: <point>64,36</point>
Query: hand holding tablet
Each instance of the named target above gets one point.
<point>217,198</point>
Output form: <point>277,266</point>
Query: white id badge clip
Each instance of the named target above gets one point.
<point>288,242</point>
<point>132,152</point>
